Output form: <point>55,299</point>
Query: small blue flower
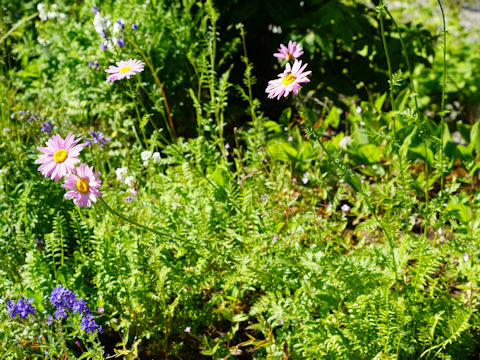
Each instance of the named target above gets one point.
<point>90,63</point>
<point>104,33</point>
<point>88,324</point>
<point>60,313</point>
<point>64,299</point>
<point>121,43</point>
<point>80,306</point>
<point>47,127</point>
<point>134,26</point>
<point>98,138</point>
<point>104,45</point>
<point>22,308</point>
<point>95,10</point>
<point>128,199</point>
<point>119,22</point>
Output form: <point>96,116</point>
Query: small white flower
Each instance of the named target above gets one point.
<point>465,257</point>
<point>345,208</point>
<point>117,28</point>
<point>42,41</point>
<point>51,15</point>
<point>156,157</point>
<point>42,13</point>
<point>344,142</point>
<point>121,172</point>
<point>100,23</point>
<point>358,109</point>
<point>145,155</point>
<point>329,208</point>
<point>129,181</point>
<point>305,177</point>
<point>61,17</point>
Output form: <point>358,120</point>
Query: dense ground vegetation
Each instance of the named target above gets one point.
<point>341,222</point>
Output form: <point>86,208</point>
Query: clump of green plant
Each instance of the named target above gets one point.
<point>335,230</point>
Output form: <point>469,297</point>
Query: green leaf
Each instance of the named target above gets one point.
<point>333,118</point>
<point>379,102</point>
<point>240,317</point>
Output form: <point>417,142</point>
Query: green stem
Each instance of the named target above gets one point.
<point>417,109</point>
<point>132,95</point>
<point>22,21</point>
<point>444,85</point>
<point>392,101</point>
<point>170,128</point>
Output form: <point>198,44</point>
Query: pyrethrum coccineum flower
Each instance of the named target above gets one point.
<point>290,52</point>
<point>59,157</point>
<point>288,81</point>
<point>124,69</point>
<point>83,184</point>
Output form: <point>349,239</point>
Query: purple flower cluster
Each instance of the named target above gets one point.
<point>23,307</point>
<point>97,138</point>
<point>29,116</point>
<point>64,299</point>
<point>47,127</point>
<point>88,324</point>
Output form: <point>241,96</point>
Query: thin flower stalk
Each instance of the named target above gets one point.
<point>159,84</point>
<point>392,101</point>
<point>444,85</point>
<point>417,110</point>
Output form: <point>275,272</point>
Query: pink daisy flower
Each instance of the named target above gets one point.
<point>290,52</point>
<point>124,69</point>
<point>288,81</point>
<point>83,184</point>
<point>59,157</point>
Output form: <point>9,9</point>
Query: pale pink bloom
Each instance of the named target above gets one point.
<point>288,81</point>
<point>290,52</point>
<point>124,69</point>
<point>83,184</point>
<point>59,157</point>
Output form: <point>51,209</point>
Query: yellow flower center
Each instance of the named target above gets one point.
<point>60,156</point>
<point>125,69</point>
<point>290,56</point>
<point>288,79</point>
<point>82,186</point>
